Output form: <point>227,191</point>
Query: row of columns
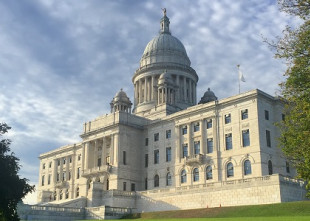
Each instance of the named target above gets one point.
<point>190,141</point>
<point>146,89</point>
<point>166,95</point>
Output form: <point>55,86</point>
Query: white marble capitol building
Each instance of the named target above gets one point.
<point>166,152</point>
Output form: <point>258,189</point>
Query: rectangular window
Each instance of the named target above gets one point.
<point>49,179</point>
<point>69,175</point>
<point>50,165</point>
<point>210,145</point>
<point>146,141</point>
<point>156,156</point>
<point>244,114</point>
<point>185,150</point>
<point>124,157</point>
<point>124,186</point>
<point>64,160</point>
<point>78,173</point>
<point>63,176</point>
<point>168,154</point>
<point>196,127</point>
<point>268,139</point>
<point>99,162</point>
<point>245,138</point>
<point>228,141</point>
<point>42,181</point>
<point>227,118</point>
<point>70,159</point>
<point>43,166</point>
<point>197,147</point>
<point>209,123</point>
<point>79,157</point>
<point>266,115</point>
<point>145,183</point>
<point>58,162</point>
<point>133,187</point>
<point>287,167</point>
<point>156,137</point>
<point>146,164</point>
<point>168,134</point>
<point>57,177</point>
<point>184,130</point>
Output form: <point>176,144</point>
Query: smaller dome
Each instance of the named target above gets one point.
<point>165,78</point>
<point>121,96</point>
<point>208,97</point>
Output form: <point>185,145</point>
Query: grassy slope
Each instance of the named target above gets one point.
<point>270,210</point>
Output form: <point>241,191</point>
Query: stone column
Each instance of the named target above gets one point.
<point>184,88</point>
<point>189,139</point>
<point>95,153</point>
<point>195,96</point>
<point>136,94</point>
<point>177,94</point>
<point>87,146</point>
<point>104,152</point>
<point>54,171</point>
<point>178,148</point>
<point>152,88</point>
<point>140,91</point>
<point>145,89</point>
<point>190,95</point>
<point>203,136</point>
<point>149,81</point>
<point>116,147</point>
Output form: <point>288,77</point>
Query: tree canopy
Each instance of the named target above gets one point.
<point>294,47</point>
<point>12,187</point>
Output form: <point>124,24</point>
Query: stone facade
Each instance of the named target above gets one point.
<point>171,153</point>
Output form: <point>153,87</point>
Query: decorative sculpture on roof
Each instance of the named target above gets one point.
<point>165,11</point>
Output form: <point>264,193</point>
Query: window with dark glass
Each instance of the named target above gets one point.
<point>60,194</point>
<point>64,160</point>
<point>168,134</point>
<point>184,130</point>
<point>196,175</point>
<point>43,166</point>
<point>168,154</point>
<point>196,127</point>
<point>79,157</point>
<point>245,138</point>
<point>99,162</point>
<point>228,141</point>
<point>230,170</point>
<point>146,164</point>
<point>185,150</point>
<point>58,162</point>
<point>156,137</point>
<point>266,115</point>
<point>67,194</point>
<point>57,177</point>
<point>247,167</point>
<point>268,140</point>
<point>209,123</point>
<point>70,159</point>
<point>244,114</point>
<point>210,145</point>
<point>287,164</point>
<point>133,187</point>
<point>49,179</point>
<point>77,192</point>
<point>63,176</point>
<point>168,179</point>
<point>183,176</point>
<point>78,173</point>
<point>156,181</point>
<point>156,156</point>
<point>227,118</point>
<point>124,186</point>
<point>145,183</point>
<point>50,165</point>
<point>146,141</point>
<point>124,157</point>
<point>197,147</point>
<point>42,183</point>
<point>209,173</point>
<point>270,170</point>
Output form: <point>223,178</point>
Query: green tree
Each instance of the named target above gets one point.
<point>12,187</point>
<point>294,47</point>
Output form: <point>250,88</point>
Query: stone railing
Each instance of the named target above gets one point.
<point>195,159</point>
<point>121,193</point>
<point>96,170</point>
<point>61,184</point>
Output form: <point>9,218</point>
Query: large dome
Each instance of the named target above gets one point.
<point>165,48</point>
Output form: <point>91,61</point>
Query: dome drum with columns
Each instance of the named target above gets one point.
<point>164,77</point>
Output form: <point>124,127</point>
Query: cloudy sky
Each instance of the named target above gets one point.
<point>61,62</point>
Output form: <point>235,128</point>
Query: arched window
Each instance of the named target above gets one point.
<point>247,167</point>
<point>196,174</point>
<point>168,179</point>
<point>183,176</point>
<point>60,195</point>
<point>270,171</point>
<point>77,192</point>
<point>55,195</point>
<point>209,173</point>
<point>156,181</point>
<point>67,194</point>
<point>230,170</point>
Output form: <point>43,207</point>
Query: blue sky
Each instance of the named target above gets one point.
<point>61,62</point>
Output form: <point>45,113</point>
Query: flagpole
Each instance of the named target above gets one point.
<point>238,66</point>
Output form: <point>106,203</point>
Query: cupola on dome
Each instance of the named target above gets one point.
<point>164,48</point>
<point>208,97</point>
